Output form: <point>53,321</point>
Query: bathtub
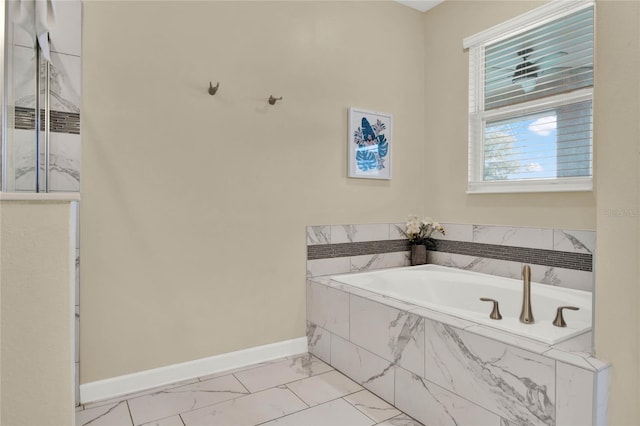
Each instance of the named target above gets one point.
<point>457,292</point>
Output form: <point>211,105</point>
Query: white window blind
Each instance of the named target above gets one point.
<point>531,92</point>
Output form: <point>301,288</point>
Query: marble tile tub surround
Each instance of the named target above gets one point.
<point>446,371</point>
<point>558,257</point>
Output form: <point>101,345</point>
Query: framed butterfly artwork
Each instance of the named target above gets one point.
<point>370,141</point>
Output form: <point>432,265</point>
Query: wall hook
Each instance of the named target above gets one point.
<point>272,100</point>
<point>213,90</point>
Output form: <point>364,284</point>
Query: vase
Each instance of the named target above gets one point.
<point>418,254</point>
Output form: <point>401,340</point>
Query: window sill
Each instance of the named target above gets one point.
<point>526,186</point>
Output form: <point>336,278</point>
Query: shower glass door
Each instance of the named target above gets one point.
<point>47,159</point>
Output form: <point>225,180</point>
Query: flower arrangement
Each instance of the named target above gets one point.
<point>419,231</point>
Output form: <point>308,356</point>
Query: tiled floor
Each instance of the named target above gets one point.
<point>295,391</point>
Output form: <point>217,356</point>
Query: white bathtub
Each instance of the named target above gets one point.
<point>457,292</point>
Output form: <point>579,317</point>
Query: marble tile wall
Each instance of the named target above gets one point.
<point>337,249</point>
<point>557,257</point>
<point>445,371</point>
<point>65,89</point>
<point>575,248</point>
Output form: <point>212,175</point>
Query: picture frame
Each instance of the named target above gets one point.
<point>370,141</point>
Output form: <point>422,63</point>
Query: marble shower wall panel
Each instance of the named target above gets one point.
<point>64,172</point>
<point>24,155</point>
<point>64,160</point>
<point>433,405</point>
<point>65,33</point>
<point>24,68</point>
<point>65,80</point>
<point>66,37</point>
<point>516,384</point>
<point>395,335</point>
<point>65,97</point>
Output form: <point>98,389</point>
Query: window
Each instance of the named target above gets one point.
<point>531,102</point>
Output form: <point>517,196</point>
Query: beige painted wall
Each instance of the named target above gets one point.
<point>36,314</point>
<point>446,128</point>
<point>194,207</point>
<point>617,138</point>
<point>617,172</point>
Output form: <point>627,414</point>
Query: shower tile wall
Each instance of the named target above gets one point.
<point>65,86</point>
<point>558,257</point>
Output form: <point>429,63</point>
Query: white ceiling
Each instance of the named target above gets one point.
<point>421,5</point>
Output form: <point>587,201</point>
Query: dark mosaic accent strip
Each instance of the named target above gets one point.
<point>326,251</point>
<point>61,122</point>
<point>558,259</point>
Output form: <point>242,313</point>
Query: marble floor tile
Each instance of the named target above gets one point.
<point>174,401</point>
<point>374,407</point>
<point>106,415</point>
<point>401,420</point>
<point>280,373</point>
<point>169,421</point>
<point>109,401</point>
<point>324,387</point>
<point>294,391</point>
<point>334,413</point>
<point>244,368</point>
<point>248,410</point>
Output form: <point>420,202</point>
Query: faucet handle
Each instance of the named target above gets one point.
<point>559,321</point>
<point>495,312</point>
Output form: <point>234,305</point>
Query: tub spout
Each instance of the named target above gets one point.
<point>526,316</point>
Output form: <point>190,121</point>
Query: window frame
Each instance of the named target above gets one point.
<point>478,117</point>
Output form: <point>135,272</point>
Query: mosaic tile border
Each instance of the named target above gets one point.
<point>554,258</point>
<point>328,251</point>
<point>559,259</point>
<point>61,122</point>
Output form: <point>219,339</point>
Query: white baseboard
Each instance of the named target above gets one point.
<point>135,382</point>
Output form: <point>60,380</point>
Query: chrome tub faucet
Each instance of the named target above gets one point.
<point>526,316</point>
